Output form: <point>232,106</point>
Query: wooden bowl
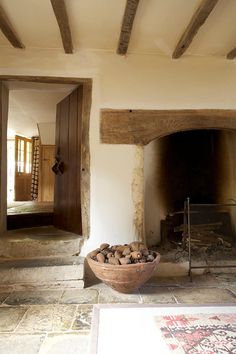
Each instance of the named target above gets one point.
<point>124,278</point>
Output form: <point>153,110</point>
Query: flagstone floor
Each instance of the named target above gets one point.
<point>59,321</point>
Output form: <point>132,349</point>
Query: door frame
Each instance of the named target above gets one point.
<point>85,148</point>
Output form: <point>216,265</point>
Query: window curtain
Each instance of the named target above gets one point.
<point>35,169</point>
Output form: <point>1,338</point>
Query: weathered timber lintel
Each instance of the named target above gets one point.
<point>139,127</point>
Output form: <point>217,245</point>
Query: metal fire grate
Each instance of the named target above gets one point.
<point>193,216</point>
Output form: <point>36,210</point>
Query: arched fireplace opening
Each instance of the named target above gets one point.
<point>199,164</point>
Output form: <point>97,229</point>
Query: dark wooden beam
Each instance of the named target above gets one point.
<point>127,24</point>
<point>231,54</point>
<point>45,79</point>
<point>60,12</point>
<point>8,30</point>
<point>196,22</point>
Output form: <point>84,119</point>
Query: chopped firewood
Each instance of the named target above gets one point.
<point>122,255</point>
<point>200,227</point>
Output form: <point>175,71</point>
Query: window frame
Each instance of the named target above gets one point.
<point>25,140</point>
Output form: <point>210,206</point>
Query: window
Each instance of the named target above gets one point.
<point>23,155</point>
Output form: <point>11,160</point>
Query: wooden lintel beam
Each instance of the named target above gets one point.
<point>60,12</point>
<point>8,30</point>
<point>127,24</point>
<point>196,22</point>
<point>231,54</point>
<point>140,127</point>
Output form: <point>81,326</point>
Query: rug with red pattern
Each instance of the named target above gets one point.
<point>199,334</point>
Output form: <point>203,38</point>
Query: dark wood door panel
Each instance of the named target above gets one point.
<point>4,99</point>
<point>68,147</point>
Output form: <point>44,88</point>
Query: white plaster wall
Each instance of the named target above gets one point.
<point>47,132</point>
<point>135,81</point>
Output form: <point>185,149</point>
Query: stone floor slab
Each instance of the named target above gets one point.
<point>63,317</point>
<point>79,296</point>
<point>97,286</point>
<point>34,297</point>
<point>74,343</point>
<point>3,296</point>
<point>200,280</point>
<point>232,289</point>
<point>19,344</point>
<point>161,281</point>
<point>83,318</point>
<point>37,319</point>
<point>203,295</point>
<point>10,318</point>
<point>108,296</point>
<point>225,279</point>
<point>156,295</point>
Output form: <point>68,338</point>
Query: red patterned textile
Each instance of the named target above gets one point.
<point>199,334</point>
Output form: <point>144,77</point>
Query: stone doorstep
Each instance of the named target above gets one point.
<point>34,286</point>
<point>42,270</point>
<point>37,248</point>
<point>41,262</point>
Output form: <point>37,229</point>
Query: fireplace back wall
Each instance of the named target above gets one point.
<point>199,164</point>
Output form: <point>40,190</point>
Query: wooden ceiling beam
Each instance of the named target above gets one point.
<point>231,54</point>
<point>60,12</point>
<point>127,24</point>
<point>196,22</point>
<point>9,31</point>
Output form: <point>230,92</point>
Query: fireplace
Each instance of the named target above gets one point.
<point>200,165</point>
<point>179,153</point>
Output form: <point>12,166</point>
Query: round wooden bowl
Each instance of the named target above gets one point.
<point>124,278</point>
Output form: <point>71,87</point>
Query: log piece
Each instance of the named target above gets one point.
<point>135,252</point>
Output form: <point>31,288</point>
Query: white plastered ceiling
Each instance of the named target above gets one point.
<point>33,105</point>
<point>95,24</point>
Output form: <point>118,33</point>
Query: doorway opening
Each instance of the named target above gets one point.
<point>31,139</point>
<point>45,118</point>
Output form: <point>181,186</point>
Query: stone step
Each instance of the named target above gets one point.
<point>17,221</point>
<point>167,268</point>
<point>39,242</point>
<point>46,271</point>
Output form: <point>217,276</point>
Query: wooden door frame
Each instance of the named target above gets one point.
<point>85,148</point>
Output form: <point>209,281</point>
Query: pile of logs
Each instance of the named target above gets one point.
<point>135,252</point>
<point>205,235</point>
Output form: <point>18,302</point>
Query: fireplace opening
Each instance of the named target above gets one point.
<point>189,168</point>
<point>200,165</point>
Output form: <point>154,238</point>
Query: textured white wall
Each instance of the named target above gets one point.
<point>47,132</point>
<point>135,81</point>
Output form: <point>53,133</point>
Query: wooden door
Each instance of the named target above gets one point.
<point>67,197</point>
<point>23,175</point>
<point>4,98</point>
<point>46,185</point>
